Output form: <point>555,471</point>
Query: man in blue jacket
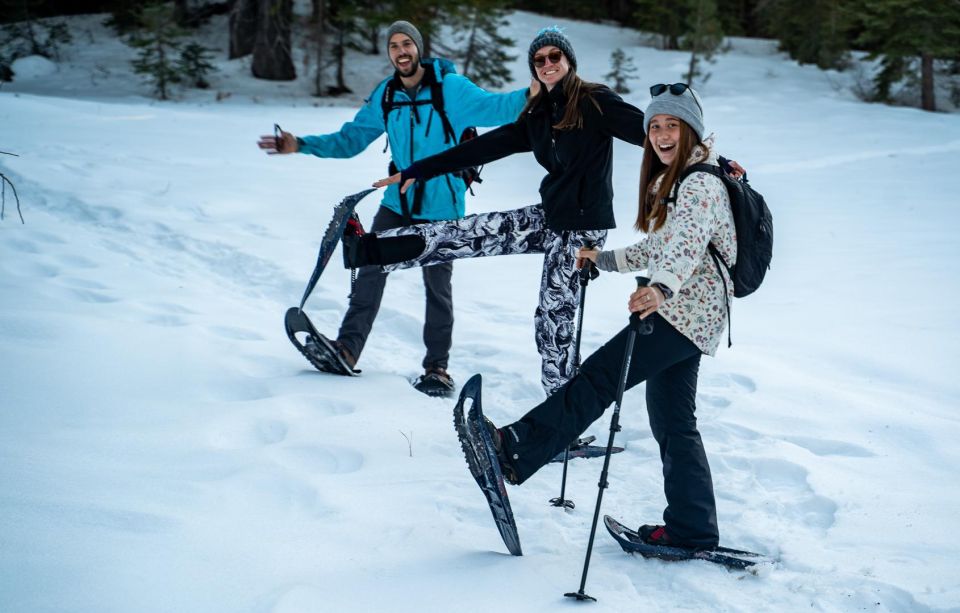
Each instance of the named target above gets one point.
<point>403,106</point>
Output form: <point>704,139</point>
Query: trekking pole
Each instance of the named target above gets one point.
<point>586,274</point>
<point>637,326</point>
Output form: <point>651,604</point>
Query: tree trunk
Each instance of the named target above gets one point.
<point>927,99</point>
<point>181,12</point>
<point>272,58</point>
<point>320,37</point>
<point>341,87</point>
<point>243,28</point>
<point>373,36</point>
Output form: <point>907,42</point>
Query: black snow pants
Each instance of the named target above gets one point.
<point>669,363</point>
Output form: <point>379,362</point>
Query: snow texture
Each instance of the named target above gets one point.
<point>164,448</point>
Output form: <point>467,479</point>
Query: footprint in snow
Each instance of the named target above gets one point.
<point>778,488</point>
<point>827,447</point>
<point>237,334</point>
<point>326,459</point>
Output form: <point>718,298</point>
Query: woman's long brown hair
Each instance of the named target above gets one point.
<point>652,212</point>
<point>575,89</point>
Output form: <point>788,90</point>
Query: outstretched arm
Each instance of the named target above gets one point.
<point>496,144</point>
<point>470,105</point>
<point>352,138</point>
<point>619,118</point>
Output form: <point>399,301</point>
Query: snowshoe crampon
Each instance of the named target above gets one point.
<point>583,449</point>
<point>482,460</point>
<point>318,349</point>
<point>733,559</point>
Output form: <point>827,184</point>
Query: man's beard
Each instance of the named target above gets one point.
<point>411,68</point>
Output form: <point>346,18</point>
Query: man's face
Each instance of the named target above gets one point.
<point>403,54</point>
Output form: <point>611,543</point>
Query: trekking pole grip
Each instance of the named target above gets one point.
<point>589,272</point>
<point>643,327</point>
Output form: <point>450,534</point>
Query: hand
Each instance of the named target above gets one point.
<point>645,300</point>
<point>395,178</point>
<point>585,254</point>
<point>287,143</point>
<point>534,88</point>
<point>738,170</point>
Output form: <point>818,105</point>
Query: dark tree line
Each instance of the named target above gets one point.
<point>916,42</point>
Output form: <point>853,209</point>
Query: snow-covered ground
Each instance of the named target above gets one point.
<point>164,448</point>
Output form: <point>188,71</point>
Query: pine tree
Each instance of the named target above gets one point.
<point>703,38</point>
<point>666,19</point>
<point>342,17</point>
<point>478,45</point>
<point>908,34</point>
<point>429,16</point>
<point>194,65</point>
<point>812,31</point>
<point>621,69</point>
<point>25,35</point>
<point>158,42</point>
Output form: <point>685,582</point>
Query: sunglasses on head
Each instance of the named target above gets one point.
<point>554,56</point>
<point>676,89</point>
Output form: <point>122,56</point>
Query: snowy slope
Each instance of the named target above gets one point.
<point>163,447</point>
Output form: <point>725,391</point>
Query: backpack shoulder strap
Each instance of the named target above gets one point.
<point>386,103</point>
<point>689,170</point>
<point>701,167</point>
<point>436,70</point>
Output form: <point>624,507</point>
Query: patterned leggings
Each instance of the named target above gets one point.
<point>512,232</point>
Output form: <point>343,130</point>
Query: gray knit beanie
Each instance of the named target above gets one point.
<point>405,27</point>
<point>551,35</point>
<point>686,106</point>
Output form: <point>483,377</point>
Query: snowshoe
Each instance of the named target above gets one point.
<point>320,351</point>
<point>734,559</point>
<point>435,382</point>
<point>481,455</point>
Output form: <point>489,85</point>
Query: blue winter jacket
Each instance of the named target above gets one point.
<point>414,135</point>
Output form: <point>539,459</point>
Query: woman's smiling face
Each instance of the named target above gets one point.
<point>664,135</point>
<point>555,65</point>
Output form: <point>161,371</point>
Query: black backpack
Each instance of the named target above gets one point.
<point>469,175</point>
<point>754,227</point>
<point>754,224</point>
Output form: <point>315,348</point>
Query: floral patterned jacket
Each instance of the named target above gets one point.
<point>676,255</point>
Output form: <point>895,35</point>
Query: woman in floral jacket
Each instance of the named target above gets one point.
<point>685,299</point>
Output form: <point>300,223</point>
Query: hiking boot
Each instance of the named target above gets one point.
<point>657,535</point>
<point>436,382</point>
<point>345,354</point>
<point>506,465</point>
<point>440,373</point>
<point>359,250</point>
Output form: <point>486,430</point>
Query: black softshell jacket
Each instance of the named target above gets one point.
<point>577,193</point>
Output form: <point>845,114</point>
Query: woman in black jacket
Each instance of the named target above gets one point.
<point>569,125</point>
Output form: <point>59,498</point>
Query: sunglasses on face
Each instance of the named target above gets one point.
<point>541,60</point>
